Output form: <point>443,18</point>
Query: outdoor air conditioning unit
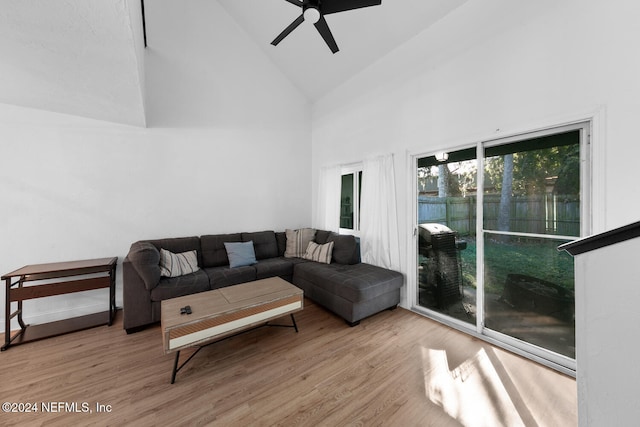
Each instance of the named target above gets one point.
<point>442,264</point>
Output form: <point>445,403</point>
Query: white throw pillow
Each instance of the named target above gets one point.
<point>297,242</point>
<point>319,253</point>
<point>174,265</point>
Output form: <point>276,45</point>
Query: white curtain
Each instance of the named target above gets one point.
<point>327,215</point>
<point>378,214</point>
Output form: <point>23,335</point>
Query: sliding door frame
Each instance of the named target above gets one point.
<point>585,228</point>
<point>592,219</point>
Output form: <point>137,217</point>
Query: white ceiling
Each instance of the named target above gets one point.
<point>82,57</point>
<point>363,36</point>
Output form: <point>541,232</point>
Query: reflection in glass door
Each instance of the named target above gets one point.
<point>446,234</point>
<point>531,206</point>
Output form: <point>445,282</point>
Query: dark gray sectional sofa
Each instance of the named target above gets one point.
<point>351,289</point>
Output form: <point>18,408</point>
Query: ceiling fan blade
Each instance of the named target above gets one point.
<point>325,32</point>
<point>296,2</point>
<point>288,30</point>
<point>334,6</point>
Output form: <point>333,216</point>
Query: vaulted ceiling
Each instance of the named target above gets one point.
<point>363,36</point>
<point>83,57</point>
<point>72,56</point>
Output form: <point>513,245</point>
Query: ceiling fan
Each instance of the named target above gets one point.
<point>314,11</point>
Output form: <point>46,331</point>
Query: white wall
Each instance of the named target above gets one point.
<point>492,68</point>
<point>607,377</point>
<point>227,150</point>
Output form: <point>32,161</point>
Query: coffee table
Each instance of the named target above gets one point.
<point>225,312</point>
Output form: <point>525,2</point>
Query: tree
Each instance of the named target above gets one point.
<point>568,181</point>
<point>532,170</point>
<point>443,180</point>
<point>506,193</point>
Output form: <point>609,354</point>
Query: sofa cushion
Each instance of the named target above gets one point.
<point>281,239</point>
<point>172,287</point>
<point>355,283</point>
<point>145,259</point>
<point>264,243</point>
<point>240,253</point>
<point>174,265</point>
<point>345,249</point>
<point>297,242</point>
<point>319,253</point>
<point>179,244</point>
<point>214,254</point>
<point>220,277</point>
<point>272,267</point>
<point>322,236</point>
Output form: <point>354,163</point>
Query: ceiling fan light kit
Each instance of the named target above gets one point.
<point>313,11</point>
<point>312,15</point>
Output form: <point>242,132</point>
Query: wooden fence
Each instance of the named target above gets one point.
<point>540,214</point>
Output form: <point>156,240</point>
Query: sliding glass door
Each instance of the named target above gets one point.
<point>531,206</point>
<point>489,220</point>
<point>446,234</point>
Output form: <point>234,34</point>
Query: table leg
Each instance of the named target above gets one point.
<point>20,321</point>
<point>112,295</point>
<point>7,315</point>
<point>175,368</point>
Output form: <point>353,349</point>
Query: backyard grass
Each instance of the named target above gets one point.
<point>531,257</point>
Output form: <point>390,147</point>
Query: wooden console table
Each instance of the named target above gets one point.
<point>54,280</point>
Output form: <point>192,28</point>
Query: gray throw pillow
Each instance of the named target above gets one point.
<point>345,249</point>
<point>240,253</point>
<point>322,236</point>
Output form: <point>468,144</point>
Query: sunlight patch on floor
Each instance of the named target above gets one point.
<point>472,393</point>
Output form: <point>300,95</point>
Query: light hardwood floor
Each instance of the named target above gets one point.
<point>395,369</point>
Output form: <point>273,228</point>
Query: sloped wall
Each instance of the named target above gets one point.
<point>73,57</point>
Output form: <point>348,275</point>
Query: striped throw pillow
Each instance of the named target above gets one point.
<point>319,253</point>
<point>297,242</point>
<point>174,265</point>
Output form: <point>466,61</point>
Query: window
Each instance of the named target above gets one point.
<point>350,200</point>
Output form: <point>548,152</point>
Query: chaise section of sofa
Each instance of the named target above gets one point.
<point>351,291</point>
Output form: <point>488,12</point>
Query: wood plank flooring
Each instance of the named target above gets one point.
<point>394,369</point>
